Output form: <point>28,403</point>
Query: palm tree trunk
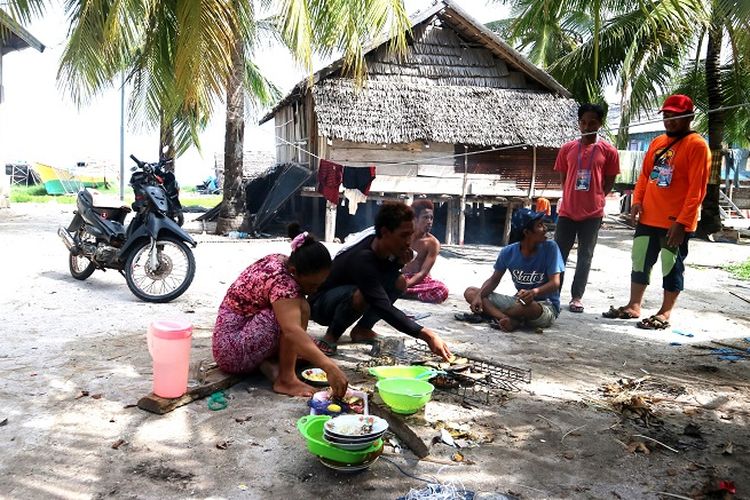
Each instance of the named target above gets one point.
<point>233,212</point>
<point>710,217</point>
<point>623,130</point>
<point>166,138</point>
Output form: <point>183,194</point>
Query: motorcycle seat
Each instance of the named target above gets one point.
<point>99,217</point>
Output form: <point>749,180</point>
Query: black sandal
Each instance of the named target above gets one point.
<point>470,317</point>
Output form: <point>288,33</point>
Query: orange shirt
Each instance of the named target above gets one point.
<point>543,205</point>
<point>673,190</point>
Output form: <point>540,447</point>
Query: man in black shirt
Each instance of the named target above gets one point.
<point>364,282</point>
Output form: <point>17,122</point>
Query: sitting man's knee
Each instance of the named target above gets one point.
<point>470,293</point>
<point>358,301</point>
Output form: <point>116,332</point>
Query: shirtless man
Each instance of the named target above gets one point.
<point>419,284</point>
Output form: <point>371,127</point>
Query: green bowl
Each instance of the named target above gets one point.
<point>311,428</point>
<point>403,371</point>
<point>405,395</point>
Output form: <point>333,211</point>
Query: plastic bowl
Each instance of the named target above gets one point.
<point>403,371</point>
<point>311,428</point>
<point>405,395</point>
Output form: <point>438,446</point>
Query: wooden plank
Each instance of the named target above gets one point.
<point>506,226</point>
<point>397,426</point>
<point>216,380</point>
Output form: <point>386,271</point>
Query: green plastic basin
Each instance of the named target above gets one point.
<point>405,395</point>
<point>311,428</point>
<point>403,371</point>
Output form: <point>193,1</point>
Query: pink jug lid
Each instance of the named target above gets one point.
<point>171,329</point>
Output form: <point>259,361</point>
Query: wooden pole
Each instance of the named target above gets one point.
<point>506,227</point>
<point>330,221</point>
<point>462,208</point>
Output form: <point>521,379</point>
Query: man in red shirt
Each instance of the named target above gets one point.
<point>588,167</point>
<point>666,201</point>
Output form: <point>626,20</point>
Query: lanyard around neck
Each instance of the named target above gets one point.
<point>591,158</point>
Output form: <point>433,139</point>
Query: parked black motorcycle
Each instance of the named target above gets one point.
<point>151,252</point>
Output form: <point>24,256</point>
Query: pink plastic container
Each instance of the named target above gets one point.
<point>169,346</point>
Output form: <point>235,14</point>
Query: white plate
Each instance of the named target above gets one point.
<point>348,468</point>
<point>314,375</point>
<point>344,440</point>
<point>346,426</point>
<point>354,445</point>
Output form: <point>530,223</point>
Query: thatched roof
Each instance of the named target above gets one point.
<point>396,112</point>
<point>458,82</point>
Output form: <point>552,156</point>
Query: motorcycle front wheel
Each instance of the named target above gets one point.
<point>170,278</point>
<point>80,267</point>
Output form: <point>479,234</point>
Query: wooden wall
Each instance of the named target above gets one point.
<point>291,125</point>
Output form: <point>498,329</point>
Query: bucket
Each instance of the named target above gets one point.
<point>169,346</point>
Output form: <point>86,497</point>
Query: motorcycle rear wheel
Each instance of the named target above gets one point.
<point>80,267</point>
<point>169,280</point>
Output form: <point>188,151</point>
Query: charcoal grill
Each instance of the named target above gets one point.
<point>500,379</point>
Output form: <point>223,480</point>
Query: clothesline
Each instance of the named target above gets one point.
<point>503,148</point>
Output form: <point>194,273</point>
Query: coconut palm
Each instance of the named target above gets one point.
<point>183,57</point>
<point>643,47</point>
<point>305,27</point>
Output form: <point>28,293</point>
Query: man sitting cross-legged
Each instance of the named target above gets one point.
<point>364,282</point>
<point>419,283</point>
<point>535,265</point>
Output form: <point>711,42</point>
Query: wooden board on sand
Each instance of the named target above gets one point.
<point>216,380</point>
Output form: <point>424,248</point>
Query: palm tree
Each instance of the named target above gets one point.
<point>183,57</point>
<point>305,26</point>
<point>643,47</point>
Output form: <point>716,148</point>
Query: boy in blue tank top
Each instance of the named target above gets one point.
<point>534,265</point>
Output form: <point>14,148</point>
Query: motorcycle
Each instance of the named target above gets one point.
<point>152,252</point>
<point>166,178</point>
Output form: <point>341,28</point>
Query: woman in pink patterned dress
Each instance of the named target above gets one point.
<point>264,316</point>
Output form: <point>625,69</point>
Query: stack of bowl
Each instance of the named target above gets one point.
<point>354,432</point>
<point>312,429</point>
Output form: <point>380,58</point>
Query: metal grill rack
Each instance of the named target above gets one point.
<point>500,378</point>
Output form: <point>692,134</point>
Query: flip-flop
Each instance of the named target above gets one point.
<point>327,348</point>
<point>618,313</point>
<point>470,317</point>
<point>575,306</point>
<point>653,323</point>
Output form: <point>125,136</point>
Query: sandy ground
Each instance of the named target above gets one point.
<point>558,437</point>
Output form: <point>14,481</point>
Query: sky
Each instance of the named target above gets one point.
<point>39,123</point>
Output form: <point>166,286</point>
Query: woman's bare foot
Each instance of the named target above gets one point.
<point>293,387</point>
<point>362,335</point>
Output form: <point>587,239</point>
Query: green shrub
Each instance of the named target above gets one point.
<point>740,270</point>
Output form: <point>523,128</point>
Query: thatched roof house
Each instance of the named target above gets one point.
<point>458,89</point>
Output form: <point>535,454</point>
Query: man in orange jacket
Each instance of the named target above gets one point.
<point>666,201</point>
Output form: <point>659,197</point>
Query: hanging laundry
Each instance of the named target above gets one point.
<point>330,176</point>
<point>355,197</point>
<point>359,178</point>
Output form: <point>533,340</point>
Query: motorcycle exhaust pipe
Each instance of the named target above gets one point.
<point>67,240</point>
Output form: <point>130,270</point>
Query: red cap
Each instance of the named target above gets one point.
<point>677,103</point>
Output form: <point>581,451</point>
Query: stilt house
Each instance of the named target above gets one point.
<point>461,118</point>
